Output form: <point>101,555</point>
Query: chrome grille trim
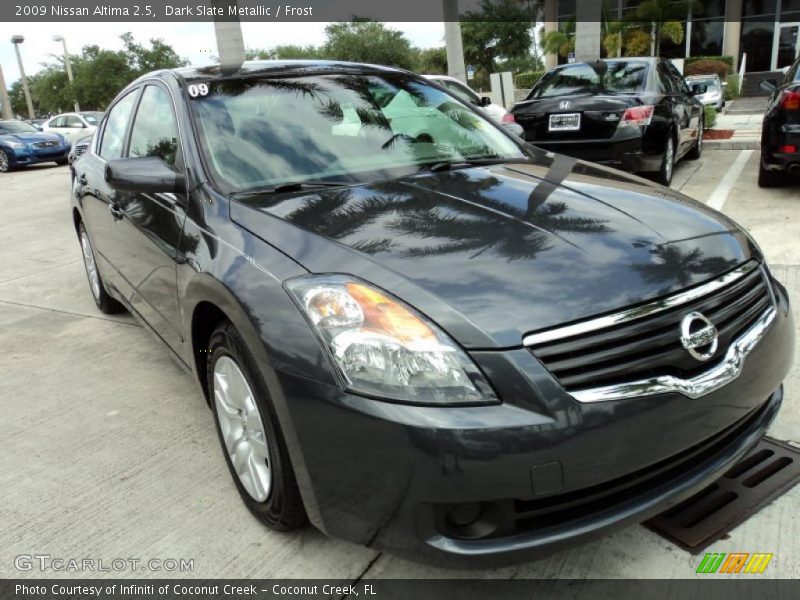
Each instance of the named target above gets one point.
<point>640,311</point>
<point>709,381</point>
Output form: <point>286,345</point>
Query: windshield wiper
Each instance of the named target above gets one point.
<point>294,186</point>
<point>451,165</point>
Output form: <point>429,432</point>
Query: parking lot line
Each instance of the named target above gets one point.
<point>720,194</point>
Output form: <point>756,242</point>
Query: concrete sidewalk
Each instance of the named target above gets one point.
<point>746,131</point>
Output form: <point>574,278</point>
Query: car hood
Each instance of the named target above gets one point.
<point>493,253</point>
<point>30,138</point>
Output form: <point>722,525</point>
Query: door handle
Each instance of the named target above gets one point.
<point>115,211</point>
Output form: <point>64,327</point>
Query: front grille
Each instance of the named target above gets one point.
<point>650,346</point>
<point>80,149</point>
<point>47,144</point>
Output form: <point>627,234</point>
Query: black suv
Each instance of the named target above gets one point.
<point>780,133</point>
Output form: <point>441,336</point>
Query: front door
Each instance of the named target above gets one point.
<point>787,45</point>
<point>147,228</point>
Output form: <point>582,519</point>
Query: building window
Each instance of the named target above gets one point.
<point>756,42</point>
<point>707,37</point>
<point>751,8</point>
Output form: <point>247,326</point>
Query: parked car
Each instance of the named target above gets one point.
<point>37,123</point>
<point>635,114</point>
<point>715,90</point>
<point>79,149</point>
<point>780,131</point>
<point>466,94</point>
<point>424,334</point>
<point>74,126</point>
<point>21,144</point>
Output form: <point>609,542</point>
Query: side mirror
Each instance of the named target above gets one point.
<point>768,85</point>
<point>724,84</point>
<point>485,101</point>
<point>147,174</point>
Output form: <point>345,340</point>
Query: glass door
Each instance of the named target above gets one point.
<point>787,45</point>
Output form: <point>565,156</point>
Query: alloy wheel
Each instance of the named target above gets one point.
<point>242,429</point>
<point>3,162</point>
<point>90,264</point>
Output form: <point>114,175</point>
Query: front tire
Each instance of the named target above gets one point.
<point>62,162</point>
<point>102,299</point>
<point>667,163</point>
<point>5,164</point>
<point>249,434</point>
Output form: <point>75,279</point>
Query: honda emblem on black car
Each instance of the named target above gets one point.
<point>563,104</point>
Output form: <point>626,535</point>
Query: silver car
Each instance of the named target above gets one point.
<point>715,89</point>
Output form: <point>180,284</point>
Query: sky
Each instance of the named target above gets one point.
<point>193,41</point>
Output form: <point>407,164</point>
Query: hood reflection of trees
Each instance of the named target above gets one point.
<point>480,224</point>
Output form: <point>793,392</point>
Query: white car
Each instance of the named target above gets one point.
<point>74,125</point>
<point>484,103</point>
<point>715,90</point>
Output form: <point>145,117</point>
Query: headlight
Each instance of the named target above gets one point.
<point>386,349</point>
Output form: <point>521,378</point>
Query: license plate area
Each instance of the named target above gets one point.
<point>564,122</point>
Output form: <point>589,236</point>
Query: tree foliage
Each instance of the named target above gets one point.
<point>98,74</point>
<point>370,42</point>
<point>500,31</point>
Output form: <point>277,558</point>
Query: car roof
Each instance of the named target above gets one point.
<point>271,67</point>
<point>703,76</point>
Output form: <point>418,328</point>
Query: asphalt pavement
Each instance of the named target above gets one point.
<point>109,451</point>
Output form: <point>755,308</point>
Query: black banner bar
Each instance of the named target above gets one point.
<point>708,587</point>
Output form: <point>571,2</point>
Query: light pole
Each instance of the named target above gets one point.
<point>17,40</point>
<point>60,38</point>
<point>7,114</point>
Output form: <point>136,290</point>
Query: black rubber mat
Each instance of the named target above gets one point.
<point>769,470</point>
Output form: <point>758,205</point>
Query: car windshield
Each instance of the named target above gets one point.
<point>92,118</point>
<point>265,132</point>
<point>711,84</point>
<point>17,127</point>
<point>622,77</point>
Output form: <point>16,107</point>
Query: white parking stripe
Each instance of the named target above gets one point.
<point>717,198</point>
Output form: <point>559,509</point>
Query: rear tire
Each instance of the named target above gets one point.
<point>62,162</point>
<point>667,163</point>
<point>102,299</point>
<point>697,150</point>
<point>249,433</point>
<point>769,179</point>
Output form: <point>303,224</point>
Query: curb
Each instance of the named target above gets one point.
<point>733,144</point>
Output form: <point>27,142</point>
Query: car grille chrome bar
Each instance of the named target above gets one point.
<point>640,311</point>
<point>647,350</point>
<point>711,380</point>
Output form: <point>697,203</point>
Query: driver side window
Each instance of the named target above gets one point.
<point>155,130</point>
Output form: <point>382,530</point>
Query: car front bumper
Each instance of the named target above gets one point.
<point>544,471</point>
<point>24,157</point>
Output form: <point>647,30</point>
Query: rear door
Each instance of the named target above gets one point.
<point>97,198</point>
<point>148,227</point>
<point>686,108</point>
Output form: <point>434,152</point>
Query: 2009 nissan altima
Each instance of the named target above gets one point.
<point>416,331</point>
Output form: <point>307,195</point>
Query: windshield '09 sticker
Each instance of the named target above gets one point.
<point>200,89</point>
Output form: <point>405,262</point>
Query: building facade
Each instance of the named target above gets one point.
<point>767,31</point>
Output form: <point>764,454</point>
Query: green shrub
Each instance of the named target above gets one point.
<point>707,67</point>
<point>710,117</point>
<point>728,60</point>
<point>527,80</point>
<point>732,89</point>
